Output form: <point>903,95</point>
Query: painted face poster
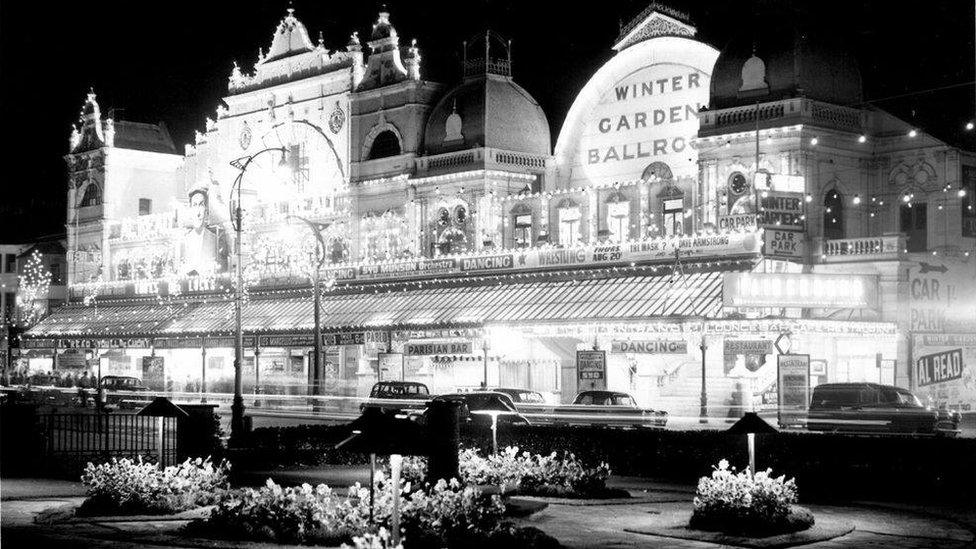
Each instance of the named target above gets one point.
<point>944,370</point>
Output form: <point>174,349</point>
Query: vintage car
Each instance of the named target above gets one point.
<point>474,403</point>
<point>874,408</point>
<point>122,391</point>
<point>608,408</point>
<point>398,395</point>
<point>519,396</point>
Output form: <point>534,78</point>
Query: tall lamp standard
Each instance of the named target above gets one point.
<point>236,214</point>
<point>319,260</point>
<point>485,346</point>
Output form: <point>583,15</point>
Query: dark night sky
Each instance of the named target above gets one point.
<point>169,61</point>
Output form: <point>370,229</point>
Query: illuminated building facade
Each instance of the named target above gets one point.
<point>459,245</point>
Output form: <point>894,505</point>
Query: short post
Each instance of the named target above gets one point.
<point>494,433</point>
<point>396,462</point>
<point>752,453</point>
<point>159,440</point>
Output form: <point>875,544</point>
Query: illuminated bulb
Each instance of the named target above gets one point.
<point>765,194</point>
<point>912,133</point>
<point>905,198</point>
<point>808,198</point>
<point>961,193</point>
<point>969,127</point>
<point>862,139</point>
<point>857,199</point>
<point>814,141</point>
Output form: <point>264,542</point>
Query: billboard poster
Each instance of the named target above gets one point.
<point>942,295</point>
<point>591,370</point>
<point>944,369</point>
<point>153,374</point>
<point>390,366</point>
<point>793,384</point>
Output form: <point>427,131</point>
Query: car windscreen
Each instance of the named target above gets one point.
<point>835,397</point>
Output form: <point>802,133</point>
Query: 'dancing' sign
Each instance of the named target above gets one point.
<point>650,347</point>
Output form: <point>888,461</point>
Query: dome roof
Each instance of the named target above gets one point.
<point>489,110</point>
<point>789,58</point>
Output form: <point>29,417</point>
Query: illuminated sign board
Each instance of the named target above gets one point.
<point>821,291</point>
<point>422,348</point>
<point>747,347</point>
<point>591,368</point>
<point>782,209</point>
<point>650,347</point>
<point>640,108</point>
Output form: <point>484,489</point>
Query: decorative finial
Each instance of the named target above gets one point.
<point>321,39</point>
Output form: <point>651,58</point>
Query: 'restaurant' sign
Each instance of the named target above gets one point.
<point>748,347</point>
<point>420,348</point>
<point>939,367</point>
<point>650,347</point>
<point>793,384</point>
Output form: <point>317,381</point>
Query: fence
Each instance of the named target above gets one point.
<point>72,440</point>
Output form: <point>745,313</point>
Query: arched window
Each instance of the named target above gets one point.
<point>833,215</point>
<point>93,196</point>
<point>384,145</point>
<point>657,171</point>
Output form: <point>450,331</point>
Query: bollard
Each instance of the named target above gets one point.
<point>396,462</point>
<point>444,440</point>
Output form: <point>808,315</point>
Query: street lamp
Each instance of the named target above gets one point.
<point>320,250</point>
<point>704,392</point>
<point>236,212</point>
<point>485,346</point>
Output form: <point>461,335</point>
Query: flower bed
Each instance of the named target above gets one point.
<point>742,503</point>
<point>555,475</point>
<point>125,486</point>
<point>446,514</point>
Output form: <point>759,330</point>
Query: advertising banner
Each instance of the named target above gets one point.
<point>650,347</point>
<point>829,291</point>
<point>419,348</point>
<point>72,359</point>
<point>793,383</point>
<point>944,369</point>
<point>591,370</point>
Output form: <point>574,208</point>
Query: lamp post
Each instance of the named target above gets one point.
<point>317,229</point>
<point>237,406</point>
<point>485,346</point>
<point>704,393</point>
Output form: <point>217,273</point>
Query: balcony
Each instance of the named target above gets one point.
<point>875,248</point>
<point>785,112</point>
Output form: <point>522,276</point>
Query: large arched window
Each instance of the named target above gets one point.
<point>386,144</point>
<point>833,215</point>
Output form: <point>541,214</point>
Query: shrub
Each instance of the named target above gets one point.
<point>128,486</point>
<point>745,503</point>
<point>448,514</point>
<point>532,474</point>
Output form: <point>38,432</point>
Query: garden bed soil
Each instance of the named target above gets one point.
<point>675,525</point>
<point>72,513</point>
<point>798,519</point>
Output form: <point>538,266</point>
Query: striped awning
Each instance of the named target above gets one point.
<point>596,299</point>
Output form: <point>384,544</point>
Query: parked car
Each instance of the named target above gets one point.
<point>874,408</point>
<point>608,408</point>
<point>519,396</point>
<point>481,401</point>
<point>118,391</point>
<point>399,395</point>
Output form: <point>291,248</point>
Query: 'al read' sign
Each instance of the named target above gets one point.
<point>938,367</point>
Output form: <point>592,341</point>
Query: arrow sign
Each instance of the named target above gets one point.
<point>936,268</point>
<point>783,343</point>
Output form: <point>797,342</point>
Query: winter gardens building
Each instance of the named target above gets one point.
<point>700,210</point>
